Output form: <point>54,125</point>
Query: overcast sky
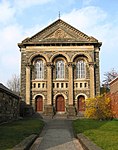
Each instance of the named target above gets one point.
<point>23,18</point>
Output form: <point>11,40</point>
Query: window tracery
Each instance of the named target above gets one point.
<point>39,66</point>
<point>81,69</point>
<point>60,69</point>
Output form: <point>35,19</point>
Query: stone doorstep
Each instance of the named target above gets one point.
<point>26,143</point>
<point>86,143</point>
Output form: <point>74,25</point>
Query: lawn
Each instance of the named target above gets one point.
<point>103,133</point>
<point>12,133</point>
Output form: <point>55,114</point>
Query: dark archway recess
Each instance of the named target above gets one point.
<point>81,103</point>
<point>39,103</point>
<point>60,104</point>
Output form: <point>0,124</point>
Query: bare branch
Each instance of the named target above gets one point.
<point>14,84</point>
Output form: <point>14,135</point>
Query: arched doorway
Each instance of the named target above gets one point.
<point>60,104</point>
<point>39,103</point>
<point>81,103</point>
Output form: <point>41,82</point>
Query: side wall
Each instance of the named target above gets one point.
<point>114,104</point>
<point>9,107</point>
<point>23,75</point>
<point>114,97</point>
<point>97,72</point>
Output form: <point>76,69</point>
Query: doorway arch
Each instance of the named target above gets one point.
<point>39,103</point>
<point>81,103</point>
<point>60,103</point>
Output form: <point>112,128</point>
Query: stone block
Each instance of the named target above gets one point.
<point>71,111</point>
<point>86,143</point>
<point>48,110</point>
<point>26,143</point>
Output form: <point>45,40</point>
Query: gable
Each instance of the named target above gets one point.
<point>58,32</point>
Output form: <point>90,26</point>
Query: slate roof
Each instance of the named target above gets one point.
<point>6,90</point>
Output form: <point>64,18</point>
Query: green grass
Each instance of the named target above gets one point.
<point>12,133</point>
<point>103,133</point>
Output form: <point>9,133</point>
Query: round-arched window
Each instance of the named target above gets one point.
<point>81,69</point>
<point>39,66</point>
<point>60,71</point>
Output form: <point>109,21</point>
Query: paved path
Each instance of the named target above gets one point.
<point>57,135</point>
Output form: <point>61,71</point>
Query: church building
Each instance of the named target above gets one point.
<point>59,69</point>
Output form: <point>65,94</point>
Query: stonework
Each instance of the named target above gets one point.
<point>59,42</point>
<point>9,104</point>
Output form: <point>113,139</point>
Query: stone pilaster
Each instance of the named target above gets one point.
<point>49,83</point>
<point>97,72</point>
<point>70,68</point>
<point>92,85</point>
<point>27,84</point>
<point>48,109</point>
<point>71,108</point>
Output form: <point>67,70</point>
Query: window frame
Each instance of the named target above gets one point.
<point>81,69</point>
<point>60,69</point>
<point>39,67</point>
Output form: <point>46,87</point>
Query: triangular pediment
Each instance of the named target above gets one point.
<point>58,32</point>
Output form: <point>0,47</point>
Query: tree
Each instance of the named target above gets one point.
<point>14,84</point>
<point>109,76</point>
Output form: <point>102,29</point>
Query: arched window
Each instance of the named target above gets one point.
<point>60,73</point>
<point>81,69</point>
<point>39,69</point>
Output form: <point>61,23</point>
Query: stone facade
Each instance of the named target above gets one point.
<point>114,96</point>
<point>9,104</point>
<point>59,42</point>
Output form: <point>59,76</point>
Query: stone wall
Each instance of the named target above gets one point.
<point>114,97</point>
<point>114,104</point>
<point>9,104</point>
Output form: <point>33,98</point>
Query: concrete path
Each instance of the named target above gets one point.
<point>57,135</point>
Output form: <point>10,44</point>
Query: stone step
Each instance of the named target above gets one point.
<point>80,114</point>
<point>60,116</point>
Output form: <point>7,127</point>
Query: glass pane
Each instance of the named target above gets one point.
<point>81,69</point>
<point>39,69</point>
<point>60,69</point>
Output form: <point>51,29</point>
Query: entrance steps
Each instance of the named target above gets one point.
<point>80,114</point>
<point>60,116</point>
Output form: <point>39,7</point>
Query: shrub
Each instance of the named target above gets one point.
<point>98,108</point>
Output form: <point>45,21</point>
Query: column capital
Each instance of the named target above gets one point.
<point>97,49</point>
<point>92,64</point>
<point>71,64</point>
<point>30,66</point>
<point>49,64</point>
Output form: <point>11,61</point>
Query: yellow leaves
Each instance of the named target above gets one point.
<point>98,107</point>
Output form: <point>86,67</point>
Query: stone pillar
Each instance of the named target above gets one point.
<point>71,109</point>
<point>70,68</point>
<point>97,71</point>
<point>49,83</point>
<point>48,107</point>
<point>92,84</point>
<point>27,84</point>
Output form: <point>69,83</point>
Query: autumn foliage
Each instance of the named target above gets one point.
<point>98,108</point>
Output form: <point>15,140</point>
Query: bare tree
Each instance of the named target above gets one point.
<point>14,83</point>
<point>109,76</point>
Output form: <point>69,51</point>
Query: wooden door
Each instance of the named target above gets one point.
<point>39,103</point>
<point>81,103</point>
<point>60,104</point>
